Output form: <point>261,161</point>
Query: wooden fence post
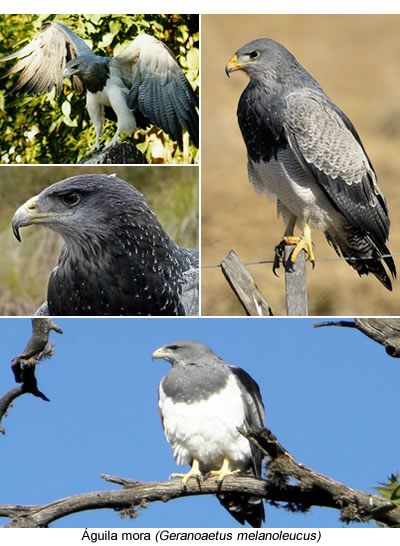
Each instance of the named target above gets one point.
<point>249,294</point>
<point>244,286</point>
<point>296,284</point>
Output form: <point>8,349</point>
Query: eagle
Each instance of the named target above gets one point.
<point>203,401</point>
<point>117,258</point>
<point>142,85</point>
<point>305,152</point>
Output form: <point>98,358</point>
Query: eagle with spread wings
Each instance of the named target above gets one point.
<point>141,86</point>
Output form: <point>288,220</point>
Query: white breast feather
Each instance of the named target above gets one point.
<point>207,430</point>
<point>115,94</point>
<point>296,189</point>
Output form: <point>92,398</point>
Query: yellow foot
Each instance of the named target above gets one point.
<point>194,472</point>
<point>224,471</point>
<point>302,243</point>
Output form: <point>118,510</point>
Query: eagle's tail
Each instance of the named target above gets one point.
<point>363,254</point>
<point>244,508</point>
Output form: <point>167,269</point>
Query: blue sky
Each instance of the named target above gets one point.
<point>330,397</point>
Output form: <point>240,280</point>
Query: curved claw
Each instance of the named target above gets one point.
<point>223,472</point>
<point>300,243</point>
<point>194,472</point>
<point>279,251</point>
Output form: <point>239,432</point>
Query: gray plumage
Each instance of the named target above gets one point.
<point>203,401</point>
<point>117,258</point>
<point>143,85</point>
<point>304,151</point>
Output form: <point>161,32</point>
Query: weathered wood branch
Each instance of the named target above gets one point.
<point>121,152</point>
<point>312,488</point>
<point>244,287</point>
<point>316,489</point>
<point>24,364</point>
<point>248,293</point>
<point>385,331</point>
<point>295,283</point>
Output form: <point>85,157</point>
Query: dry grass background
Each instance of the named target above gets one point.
<point>171,192</point>
<point>356,60</point>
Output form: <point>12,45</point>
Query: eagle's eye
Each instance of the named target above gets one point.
<point>254,54</point>
<point>173,347</point>
<point>70,199</point>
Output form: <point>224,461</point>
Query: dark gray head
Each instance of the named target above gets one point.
<point>196,373</point>
<point>187,353</point>
<point>91,69</point>
<point>77,66</point>
<point>81,206</point>
<point>83,64</point>
<point>265,58</point>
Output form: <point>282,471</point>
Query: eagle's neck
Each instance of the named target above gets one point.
<point>133,269</point>
<point>261,126</point>
<point>96,74</point>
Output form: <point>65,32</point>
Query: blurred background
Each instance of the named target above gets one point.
<point>355,58</point>
<point>171,192</point>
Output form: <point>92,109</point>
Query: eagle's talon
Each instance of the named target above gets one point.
<point>289,265</point>
<point>279,251</point>
<point>276,265</point>
<point>194,472</point>
<point>92,150</point>
<point>223,472</point>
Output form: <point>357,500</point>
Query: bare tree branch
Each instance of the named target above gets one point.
<point>312,488</point>
<point>24,365</point>
<point>385,331</point>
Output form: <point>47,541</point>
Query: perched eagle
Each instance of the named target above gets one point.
<point>203,401</point>
<point>142,85</point>
<point>305,152</point>
<point>117,258</point>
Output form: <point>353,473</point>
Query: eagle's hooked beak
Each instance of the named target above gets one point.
<point>66,73</point>
<point>31,213</point>
<point>159,353</point>
<point>232,65</point>
<point>26,215</point>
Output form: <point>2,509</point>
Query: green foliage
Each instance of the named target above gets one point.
<point>390,491</point>
<point>50,129</point>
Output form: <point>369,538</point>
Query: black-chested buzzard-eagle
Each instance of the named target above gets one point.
<point>117,258</point>
<point>143,84</point>
<point>304,151</point>
<point>203,403</point>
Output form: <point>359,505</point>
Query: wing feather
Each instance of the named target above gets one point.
<point>42,61</point>
<point>159,88</point>
<point>254,409</point>
<point>326,144</point>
